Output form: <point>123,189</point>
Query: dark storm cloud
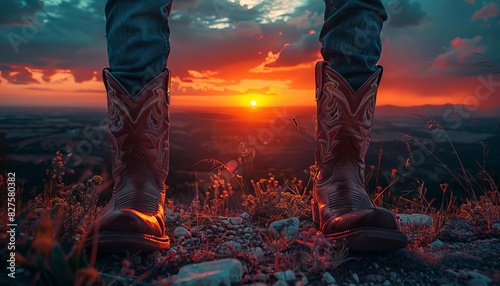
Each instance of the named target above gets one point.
<point>15,12</point>
<point>404,13</point>
<point>58,36</point>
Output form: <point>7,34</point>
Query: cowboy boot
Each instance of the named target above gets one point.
<point>139,129</point>
<point>341,206</point>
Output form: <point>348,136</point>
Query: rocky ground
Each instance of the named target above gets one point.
<point>240,250</point>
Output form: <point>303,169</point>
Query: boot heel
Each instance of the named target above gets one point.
<point>315,212</point>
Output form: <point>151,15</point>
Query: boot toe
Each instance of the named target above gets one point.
<point>130,221</point>
<point>366,218</point>
<point>127,230</point>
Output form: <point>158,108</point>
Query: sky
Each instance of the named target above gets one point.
<point>230,52</point>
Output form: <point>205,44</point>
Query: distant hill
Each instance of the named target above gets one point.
<point>449,110</point>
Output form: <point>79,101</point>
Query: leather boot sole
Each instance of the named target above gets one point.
<point>116,242</point>
<point>370,239</point>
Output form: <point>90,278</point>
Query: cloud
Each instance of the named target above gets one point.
<point>60,35</point>
<point>489,10</point>
<point>461,57</point>
<point>18,12</point>
<point>22,76</point>
<point>306,50</point>
<point>404,13</point>
<point>236,47</point>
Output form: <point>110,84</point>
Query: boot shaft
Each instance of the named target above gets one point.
<point>344,123</point>
<point>139,130</point>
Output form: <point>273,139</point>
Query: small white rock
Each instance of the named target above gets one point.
<point>289,227</point>
<point>245,215</point>
<point>355,277</point>
<point>285,275</point>
<point>224,272</point>
<point>328,278</point>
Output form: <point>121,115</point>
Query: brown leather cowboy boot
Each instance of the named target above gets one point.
<point>139,129</point>
<point>341,206</point>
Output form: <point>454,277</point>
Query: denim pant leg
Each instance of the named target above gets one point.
<point>137,35</point>
<point>350,38</point>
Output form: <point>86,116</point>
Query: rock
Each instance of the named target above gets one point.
<point>172,218</point>
<point>236,220</point>
<point>387,283</point>
<point>224,272</point>
<point>257,253</point>
<point>232,226</point>
<point>245,215</point>
<point>288,275</point>
<point>355,277</point>
<point>169,212</point>
<point>196,230</point>
<point>435,245</point>
<point>229,247</point>
<point>180,231</point>
<point>478,276</point>
<point>289,227</point>
<point>280,283</point>
<point>328,278</point>
<point>260,277</point>
<point>496,225</point>
<point>417,219</point>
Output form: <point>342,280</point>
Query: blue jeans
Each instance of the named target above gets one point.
<point>138,39</point>
<point>350,38</point>
<point>137,35</point>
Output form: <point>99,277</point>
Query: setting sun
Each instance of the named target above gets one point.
<point>253,103</point>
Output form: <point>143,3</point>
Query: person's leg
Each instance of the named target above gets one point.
<point>137,34</point>
<point>350,38</point>
<point>137,87</point>
<point>346,88</point>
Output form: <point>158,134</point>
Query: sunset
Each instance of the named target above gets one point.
<point>249,142</point>
<point>434,52</point>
